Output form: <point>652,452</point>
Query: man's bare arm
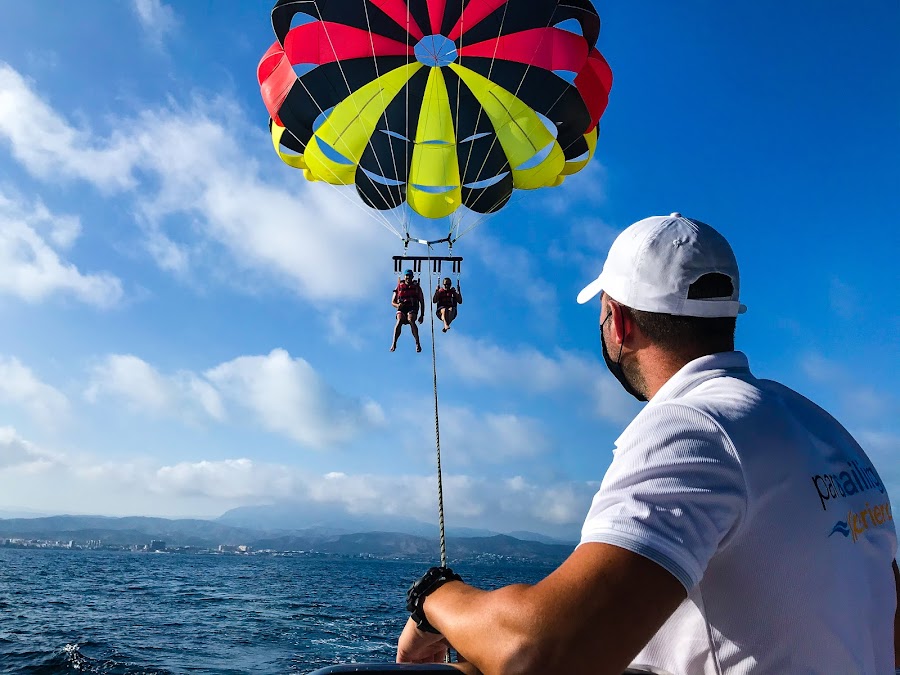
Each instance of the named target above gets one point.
<point>591,615</point>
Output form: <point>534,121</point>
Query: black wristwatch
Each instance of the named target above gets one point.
<point>432,580</point>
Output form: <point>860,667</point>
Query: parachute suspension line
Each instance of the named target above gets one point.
<point>516,94</point>
<point>349,90</point>
<point>437,422</point>
<point>454,227</point>
<point>457,264</point>
<point>517,196</point>
<point>514,199</point>
<point>381,93</point>
<point>528,65</point>
<point>481,109</point>
<point>376,215</point>
<point>409,151</point>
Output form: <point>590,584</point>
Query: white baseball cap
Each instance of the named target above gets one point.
<point>653,263</point>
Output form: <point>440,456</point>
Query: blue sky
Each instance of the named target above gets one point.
<point>188,326</point>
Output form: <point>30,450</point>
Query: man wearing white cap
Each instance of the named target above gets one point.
<point>739,528</point>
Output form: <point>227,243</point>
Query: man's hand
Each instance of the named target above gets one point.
<point>421,318</point>
<point>417,646</point>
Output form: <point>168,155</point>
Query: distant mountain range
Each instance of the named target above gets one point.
<point>297,515</point>
<point>210,534</point>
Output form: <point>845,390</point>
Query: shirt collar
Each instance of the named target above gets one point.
<point>688,377</point>
<point>711,365</point>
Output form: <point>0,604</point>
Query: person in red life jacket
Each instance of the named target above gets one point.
<point>446,299</point>
<point>409,301</point>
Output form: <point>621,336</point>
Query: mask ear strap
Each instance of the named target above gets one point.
<point>616,326</point>
<point>622,344</point>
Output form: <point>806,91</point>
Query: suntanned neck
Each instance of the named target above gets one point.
<point>658,366</point>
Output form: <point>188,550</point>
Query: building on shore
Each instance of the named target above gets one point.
<point>226,548</point>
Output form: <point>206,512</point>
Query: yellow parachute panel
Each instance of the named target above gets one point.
<point>434,189</point>
<point>290,159</point>
<point>350,125</point>
<point>521,132</point>
<point>575,167</point>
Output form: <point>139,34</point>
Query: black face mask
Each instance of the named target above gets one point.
<point>615,367</point>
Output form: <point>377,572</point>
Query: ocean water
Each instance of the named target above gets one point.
<point>162,613</point>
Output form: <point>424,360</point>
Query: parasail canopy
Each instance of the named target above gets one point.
<point>435,104</point>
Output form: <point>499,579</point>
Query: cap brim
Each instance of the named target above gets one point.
<point>589,291</point>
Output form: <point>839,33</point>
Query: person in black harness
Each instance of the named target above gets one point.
<point>409,301</point>
<point>446,299</point>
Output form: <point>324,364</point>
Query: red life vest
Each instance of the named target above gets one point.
<point>407,294</point>
<point>446,297</point>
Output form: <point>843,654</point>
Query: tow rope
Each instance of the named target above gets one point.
<point>437,421</point>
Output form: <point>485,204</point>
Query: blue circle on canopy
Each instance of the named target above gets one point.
<point>436,51</point>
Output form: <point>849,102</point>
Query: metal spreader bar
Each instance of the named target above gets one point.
<point>414,262</point>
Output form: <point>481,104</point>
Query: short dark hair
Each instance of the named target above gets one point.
<point>692,335</point>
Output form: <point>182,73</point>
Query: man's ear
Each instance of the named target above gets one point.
<point>622,321</point>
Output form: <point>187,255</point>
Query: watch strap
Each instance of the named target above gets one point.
<point>429,582</point>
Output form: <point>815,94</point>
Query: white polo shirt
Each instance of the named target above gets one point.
<point>768,512</point>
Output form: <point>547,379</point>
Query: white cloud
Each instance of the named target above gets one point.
<point>199,187</point>
<point>285,395</point>
<point>289,397</point>
<point>871,414</point>
<point>131,378</point>
<point>819,369</point>
<point>168,255</point>
<point>527,369</point>
<point>585,189</point>
<point>489,438</point>
<point>58,150</point>
<point>559,503</point>
<point>31,239</point>
<point>339,332</point>
<point>882,442</point>
<point>584,249</point>
<point>20,386</point>
<point>135,381</point>
<point>305,238</point>
<point>510,504</point>
<point>517,270</point>
<point>157,19</point>
<point>232,479</point>
<point>57,482</point>
<point>860,401</point>
<point>469,501</point>
<point>16,452</point>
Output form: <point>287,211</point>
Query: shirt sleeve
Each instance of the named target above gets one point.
<point>675,492</point>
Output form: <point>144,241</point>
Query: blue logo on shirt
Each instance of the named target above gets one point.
<point>842,528</point>
<point>861,521</point>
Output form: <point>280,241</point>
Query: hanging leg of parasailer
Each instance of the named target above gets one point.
<point>447,299</point>
<point>408,301</point>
